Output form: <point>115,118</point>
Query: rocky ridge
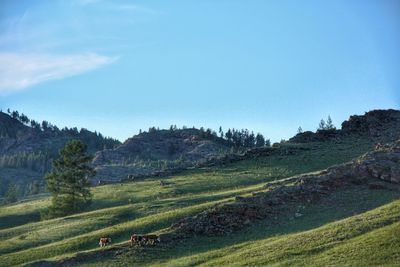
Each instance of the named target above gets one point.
<point>383,163</point>
<point>375,123</point>
<point>157,153</point>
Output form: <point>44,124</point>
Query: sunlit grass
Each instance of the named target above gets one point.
<point>146,206</point>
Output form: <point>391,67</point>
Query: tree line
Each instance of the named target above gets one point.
<point>243,138</point>
<point>322,126</point>
<point>92,139</point>
<point>35,161</point>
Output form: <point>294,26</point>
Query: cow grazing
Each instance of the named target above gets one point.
<point>104,241</point>
<point>144,239</point>
<point>134,239</point>
<point>152,239</point>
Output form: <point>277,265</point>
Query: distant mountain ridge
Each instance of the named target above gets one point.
<point>26,151</point>
<point>27,148</point>
<point>16,136</point>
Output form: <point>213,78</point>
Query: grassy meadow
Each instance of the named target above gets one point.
<point>327,233</point>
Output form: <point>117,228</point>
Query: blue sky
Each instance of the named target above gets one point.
<point>269,66</point>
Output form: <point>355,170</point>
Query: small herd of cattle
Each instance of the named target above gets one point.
<point>135,240</point>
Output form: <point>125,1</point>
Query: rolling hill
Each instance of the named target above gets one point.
<point>27,149</point>
<point>331,201</point>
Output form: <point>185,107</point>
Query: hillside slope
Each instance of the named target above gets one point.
<point>158,150</point>
<point>340,191</point>
<point>146,206</point>
<point>26,150</point>
<point>149,206</point>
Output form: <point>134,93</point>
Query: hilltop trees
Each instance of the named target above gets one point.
<point>260,141</point>
<point>93,139</point>
<point>300,130</point>
<point>245,138</point>
<point>328,125</point>
<point>69,182</point>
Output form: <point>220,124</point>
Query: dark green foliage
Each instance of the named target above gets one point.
<point>94,140</point>
<point>260,141</point>
<point>244,138</point>
<point>69,182</point>
<point>235,138</point>
<point>328,125</point>
<point>172,149</point>
<point>35,146</point>
<point>267,143</point>
<point>28,160</point>
<point>321,125</point>
<point>11,195</point>
<point>34,188</point>
<point>299,130</point>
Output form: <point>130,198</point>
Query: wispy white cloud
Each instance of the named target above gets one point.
<point>19,71</point>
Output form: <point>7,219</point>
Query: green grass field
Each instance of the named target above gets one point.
<point>328,232</point>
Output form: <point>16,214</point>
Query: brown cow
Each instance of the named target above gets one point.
<point>135,239</point>
<point>152,239</point>
<point>144,239</point>
<point>104,241</point>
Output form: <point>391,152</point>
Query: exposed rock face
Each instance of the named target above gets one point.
<point>186,146</point>
<point>375,123</point>
<point>320,135</point>
<point>163,144</point>
<point>382,163</point>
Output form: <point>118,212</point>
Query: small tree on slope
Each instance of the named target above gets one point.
<point>69,183</point>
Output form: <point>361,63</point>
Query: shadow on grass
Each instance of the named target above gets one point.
<point>339,205</point>
<point>18,219</point>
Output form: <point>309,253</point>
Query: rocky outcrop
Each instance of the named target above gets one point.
<point>163,145</point>
<point>383,124</point>
<point>157,153</point>
<point>373,122</point>
<point>382,163</point>
<point>318,136</point>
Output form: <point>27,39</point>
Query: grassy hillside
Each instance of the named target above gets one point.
<point>365,239</point>
<point>119,210</point>
<point>27,149</point>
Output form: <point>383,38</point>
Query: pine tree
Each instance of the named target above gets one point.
<point>322,125</point>
<point>228,135</point>
<point>69,181</point>
<point>260,140</point>
<point>299,130</point>
<point>329,125</point>
<point>267,143</point>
